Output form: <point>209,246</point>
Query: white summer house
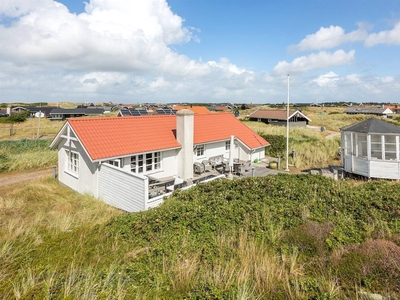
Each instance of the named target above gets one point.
<point>371,148</point>
<point>129,162</point>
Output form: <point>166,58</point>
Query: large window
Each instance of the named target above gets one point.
<point>347,143</point>
<point>145,162</point>
<point>390,147</point>
<point>362,145</point>
<point>73,162</point>
<point>376,146</point>
<point>200,150</point>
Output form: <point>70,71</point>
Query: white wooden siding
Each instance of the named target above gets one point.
<point>123,190</point>
<point>361,166</point>
<point>385,169</point>
<point>348,164</point>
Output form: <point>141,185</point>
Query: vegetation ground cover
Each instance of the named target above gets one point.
<point>24,154</point>
<point>275,237</point>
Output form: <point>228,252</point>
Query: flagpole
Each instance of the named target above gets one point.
<point>287,127</point>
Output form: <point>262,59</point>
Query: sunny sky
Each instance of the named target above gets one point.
<point>236,51</point>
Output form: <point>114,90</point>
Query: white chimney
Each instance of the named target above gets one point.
<point>185,136</point>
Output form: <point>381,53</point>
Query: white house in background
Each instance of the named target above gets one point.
<point>377,111</point>
<point>115,158</point>
<point>371,148</point>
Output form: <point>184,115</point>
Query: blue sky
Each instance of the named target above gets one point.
<point>236,51</point>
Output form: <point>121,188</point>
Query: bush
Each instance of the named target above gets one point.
<point>277,144</point>
<point>16,118</point>
<point>374,264</point>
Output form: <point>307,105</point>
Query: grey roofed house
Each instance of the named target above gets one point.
<point>371,148</point>
<point>372,125</point>
<point>368,111</point>
<point>64,113</point>
<point>279,117</point>
<point>45,110</point>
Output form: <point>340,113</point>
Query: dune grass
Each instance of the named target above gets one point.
<point>29,129</point>
<point>313,149</point>
<point>25,154</point>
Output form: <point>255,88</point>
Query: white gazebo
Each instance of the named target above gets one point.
<point>371,148</point>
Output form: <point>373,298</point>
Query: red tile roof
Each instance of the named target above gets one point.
<point>113,137</point>
<point>216,127</point>
<point>195,109</point>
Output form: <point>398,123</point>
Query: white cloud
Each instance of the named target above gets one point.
<point>111,35</point>
<point>327,79</point>
<point>318,60</point>
<point>388,37</point>
<point>353,78</point>
<point>330,37</point>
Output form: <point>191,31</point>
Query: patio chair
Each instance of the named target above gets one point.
<point>247,165</point>
<point>225,167</point>
<point>169,184</point>
<point>240,170</point>
<point>207,165</point>
<point>198,168</point>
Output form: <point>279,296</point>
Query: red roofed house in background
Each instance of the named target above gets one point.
<point>197,109</point>
<point>123,160</point>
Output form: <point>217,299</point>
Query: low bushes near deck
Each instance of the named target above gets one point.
<point>276,237</point>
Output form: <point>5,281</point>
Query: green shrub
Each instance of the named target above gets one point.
<point>277,144</point>
<point>16,118</point>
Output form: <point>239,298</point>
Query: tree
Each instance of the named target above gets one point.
<point>18,118</point>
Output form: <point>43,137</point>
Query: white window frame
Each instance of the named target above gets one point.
<point>116,162</point>
<point>73,162</point>
<point>146,163</point>
<point>227,145</point>
<point>200,149</point>
<point>376,147</point>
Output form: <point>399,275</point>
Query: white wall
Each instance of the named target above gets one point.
<point>384,169</point>
<point>123,189</point>
<point>361,166</point>
<point>218,148</point>
<point>86,179</point>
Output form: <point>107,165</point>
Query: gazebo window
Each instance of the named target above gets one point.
<point>362,145</point>
<point>376,146</point>
<point>390,147</point>
<point>347,143</point>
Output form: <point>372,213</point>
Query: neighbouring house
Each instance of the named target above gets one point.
<point>371,148</point>
<point>197,109</point>
<point>368,111</point>
<point>34,111</point>
<point>3,113</point>
<point>64,113</point>
<point>132,112</point>
<point>395,108</point>
<point>118,159</point>
<point>279,117</point>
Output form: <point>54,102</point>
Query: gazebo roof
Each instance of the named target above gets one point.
<point>372,125</point>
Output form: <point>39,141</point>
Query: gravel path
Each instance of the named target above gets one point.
<point>12,178</point>
<point>331,134</point>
